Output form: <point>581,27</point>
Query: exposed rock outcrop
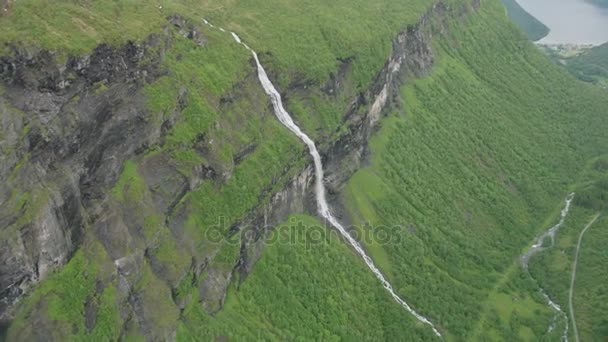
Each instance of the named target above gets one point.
<point>69,129</point>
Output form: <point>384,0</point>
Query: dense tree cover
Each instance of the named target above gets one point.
<point>479,163</point>
<point>552,268</point>
<point>591,66</point>
<point>593,192</point>
<point>306,288</point>
<point>534,29</point>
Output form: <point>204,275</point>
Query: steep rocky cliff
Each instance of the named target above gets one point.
<point>85,166</point>
<point>69,128</point>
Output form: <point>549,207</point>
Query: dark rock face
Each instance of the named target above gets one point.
<point>66,131</point>
<point>168,186</point>
<point>411,58</point>
<point>5,6</point>
<point>70,128</point>
<point>187,30</point>
<point>213,289</point>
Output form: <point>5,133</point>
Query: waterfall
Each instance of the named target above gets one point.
<point>322,205</point>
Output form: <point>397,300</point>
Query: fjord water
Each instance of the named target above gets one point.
<point>570,21</point>
<point>322,205</point>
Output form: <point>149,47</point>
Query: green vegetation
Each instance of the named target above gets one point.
<point>592,193</point>
<point>591,66</point>
<point>76,27</point>
<point>62,299</point>
<point>534,29</point>
<point>476,164</point>
<point>590,291</point>
<point>299,50</point>
<point>309,285</point>
<point>309,45</point>
<point>306,45</point>
<point>130,186</point>
<point>459,262</point>
<point>553,267</point>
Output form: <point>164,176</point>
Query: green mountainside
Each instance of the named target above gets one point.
<point>591,65</point>
<point>159,198</point>
<point>554,267</point>
<point>465,164</point>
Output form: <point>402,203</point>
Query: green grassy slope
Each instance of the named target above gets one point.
<point>303,37</point>
<point>534,29</point>
<point>466,193</point>
<point>300,42</point>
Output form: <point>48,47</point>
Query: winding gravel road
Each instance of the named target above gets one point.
<point>572,280</point>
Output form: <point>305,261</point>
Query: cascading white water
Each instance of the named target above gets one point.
<point>551,232</point>
<point>322,205</point>
<point>537,247</point>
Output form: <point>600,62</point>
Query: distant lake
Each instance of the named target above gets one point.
<point>570,21</point>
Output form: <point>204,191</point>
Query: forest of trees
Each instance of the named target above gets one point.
<point>591,66</point>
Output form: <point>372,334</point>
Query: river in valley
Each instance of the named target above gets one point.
<point>570,21</point>
<point>541,244</point>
